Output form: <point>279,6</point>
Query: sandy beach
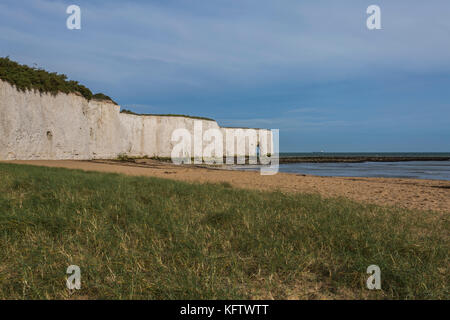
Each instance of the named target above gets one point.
<point>406,193</point>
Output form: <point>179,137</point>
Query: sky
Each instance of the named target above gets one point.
<point>311,69</point>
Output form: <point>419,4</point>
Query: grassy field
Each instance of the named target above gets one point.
<point>142,238</point>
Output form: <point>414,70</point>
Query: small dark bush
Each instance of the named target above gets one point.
<point>101,96</point>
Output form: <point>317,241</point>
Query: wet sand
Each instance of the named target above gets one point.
<point>406,193</point>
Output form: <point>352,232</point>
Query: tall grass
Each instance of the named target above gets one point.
<point>148,238</point>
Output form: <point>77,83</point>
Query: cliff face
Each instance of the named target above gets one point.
<point>42,126</point>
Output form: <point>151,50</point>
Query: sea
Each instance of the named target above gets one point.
<point>433,170</point>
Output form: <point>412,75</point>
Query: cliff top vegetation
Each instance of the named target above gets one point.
<point>26,78</point>
<point>164,115</point>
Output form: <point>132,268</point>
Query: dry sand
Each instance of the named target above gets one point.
<point>406,193</point>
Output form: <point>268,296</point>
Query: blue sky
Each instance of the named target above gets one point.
<point>309,68</point>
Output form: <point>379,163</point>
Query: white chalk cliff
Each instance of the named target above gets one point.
<point>67,126</point>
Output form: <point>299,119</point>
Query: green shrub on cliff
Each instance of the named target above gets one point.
<point>26,78</point>
<point>101,96</point>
